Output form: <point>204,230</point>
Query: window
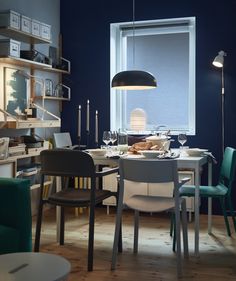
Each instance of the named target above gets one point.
<point>166,48</point>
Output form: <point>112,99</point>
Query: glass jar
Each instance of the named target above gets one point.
<point>122,141</point>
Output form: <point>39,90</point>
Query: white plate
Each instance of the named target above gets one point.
<point>151,153</point>
<point>97,151</point>
<point>195,151</point>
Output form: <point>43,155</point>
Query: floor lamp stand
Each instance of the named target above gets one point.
<point>223,111</point>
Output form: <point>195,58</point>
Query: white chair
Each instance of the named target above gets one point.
<point>63,140</point>
<point>151,171</point>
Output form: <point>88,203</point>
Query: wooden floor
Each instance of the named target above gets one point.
<point>155,260</point>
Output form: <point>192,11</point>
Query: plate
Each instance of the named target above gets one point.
<point>97,151</point>
<point>195,151</point>
<point>151,153</point>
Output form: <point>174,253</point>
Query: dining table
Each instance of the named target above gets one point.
<point>196,164</point>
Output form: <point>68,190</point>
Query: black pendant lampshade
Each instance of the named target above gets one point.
<point>133,80</point>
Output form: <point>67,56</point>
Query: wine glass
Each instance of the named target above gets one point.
<point>113,137</point>
<point>182,138</point>
<point>106,137</point>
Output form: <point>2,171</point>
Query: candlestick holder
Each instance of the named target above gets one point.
<point>79,142</point>
<point>87,144</point>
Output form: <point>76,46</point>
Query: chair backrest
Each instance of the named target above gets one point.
<point>67,163</point>
<point>149,171</point>
<point>62,140</point>
<point>228,167</point>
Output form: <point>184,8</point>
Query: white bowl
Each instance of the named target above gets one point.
<point>195,151</point>
<point>162,142</point>
<point>151,153</point>
<point>96,151</point>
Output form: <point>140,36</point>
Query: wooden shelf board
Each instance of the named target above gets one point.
<point>22,36</point>
<point>26,124</point>
<point>24,62</point>
<point>57,70</point>
<point>51,98</point>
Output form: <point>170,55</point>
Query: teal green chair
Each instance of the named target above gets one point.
<point>15,216</point>
<point>223,190</point>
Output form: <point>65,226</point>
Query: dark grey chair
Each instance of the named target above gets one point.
<point>66,163</point>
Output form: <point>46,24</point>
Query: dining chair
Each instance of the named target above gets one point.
<point>223,189</point>
<point>151,171</point>
<point>65,164</point>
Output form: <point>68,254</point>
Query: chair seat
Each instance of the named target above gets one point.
<point>205,191</point>
<point>77,197</point>
<point>146,203</point>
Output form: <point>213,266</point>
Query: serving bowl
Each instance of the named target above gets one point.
<point>161,142</point>
<point>195,151</point>
<point>97,151</point>
<point>151,153</point>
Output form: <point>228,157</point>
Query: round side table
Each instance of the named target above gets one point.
<point>33,266</point>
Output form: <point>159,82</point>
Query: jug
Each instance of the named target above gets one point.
<point>122,141</point>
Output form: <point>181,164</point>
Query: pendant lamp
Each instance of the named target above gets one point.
<point>133,79</point>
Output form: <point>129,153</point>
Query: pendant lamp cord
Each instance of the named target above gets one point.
<point>133,34</point>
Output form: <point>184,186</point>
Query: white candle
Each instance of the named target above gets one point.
<point>87,120</point>
<point>79,122</point>
<point>96,126</point>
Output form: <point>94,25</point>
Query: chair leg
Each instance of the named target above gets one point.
<point>178,240</point>
<point>232,211</point>
<point>171,224</point>
<point>91,237</point>
<point>136,229</point>
<point>120,244</point>
<point>38,227</point>
<point>222,202</point>
<point>185,228</point>
<point>117,228</point>
<point>174,233</point>
<point>62,226</point>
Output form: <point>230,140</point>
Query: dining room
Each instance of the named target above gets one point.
<point>185,51</point>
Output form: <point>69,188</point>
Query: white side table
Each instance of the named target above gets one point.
<point>33,266</point>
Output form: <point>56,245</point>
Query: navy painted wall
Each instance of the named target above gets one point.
<point>85,27</point>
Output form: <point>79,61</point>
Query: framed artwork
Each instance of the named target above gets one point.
<point>16,91</point>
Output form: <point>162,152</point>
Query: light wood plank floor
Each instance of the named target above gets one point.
<point>155,260</point>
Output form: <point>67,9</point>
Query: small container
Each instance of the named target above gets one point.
<point>45,31</point>
<point>9,47</point>
<point>10,18</point>
<point>36,28</point>
<point>26,24</point>
<point>122,141</point>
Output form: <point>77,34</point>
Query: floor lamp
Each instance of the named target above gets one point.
<point>219,62</point>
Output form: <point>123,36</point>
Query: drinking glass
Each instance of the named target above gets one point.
<point>182,138</point>
<point>106,137</point>
<point>113,137</point>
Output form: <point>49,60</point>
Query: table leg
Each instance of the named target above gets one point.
<point>196,209</point>
<point>58,210</point>
<point>209,199</point>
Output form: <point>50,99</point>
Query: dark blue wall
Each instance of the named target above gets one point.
<point>85,28</point>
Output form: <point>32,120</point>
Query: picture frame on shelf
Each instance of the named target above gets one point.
<point>16,92</point>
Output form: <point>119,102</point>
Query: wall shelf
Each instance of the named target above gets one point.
<point>22,36</point>
<point>25,63</point>
<point>26,124</point>
<point>51,98</point>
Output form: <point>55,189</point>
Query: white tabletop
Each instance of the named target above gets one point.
<point>33,267</point>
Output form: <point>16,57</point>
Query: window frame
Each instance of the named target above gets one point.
<point>118,60</point>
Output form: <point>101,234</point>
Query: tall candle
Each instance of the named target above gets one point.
<point>87,119</point>
<point>79,122</point>
<point>96,126</point>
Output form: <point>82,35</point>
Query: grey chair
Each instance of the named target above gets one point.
<point>151,171</point>
<point>67,163</point>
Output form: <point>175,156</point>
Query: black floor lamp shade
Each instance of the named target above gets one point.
<point>133,80</point>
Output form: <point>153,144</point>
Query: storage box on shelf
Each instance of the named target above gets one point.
<point>9,48</point>
<point>10,18</point>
